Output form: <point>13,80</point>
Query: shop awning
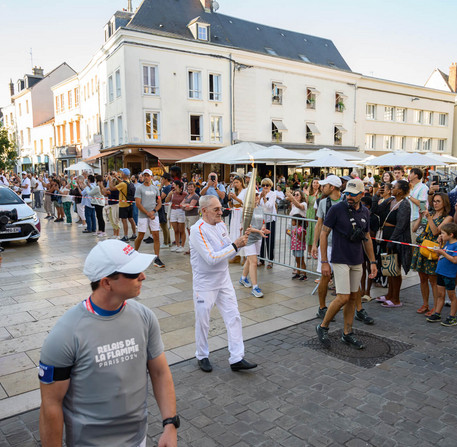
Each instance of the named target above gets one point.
<point>101,154</point>
<point>174,154</point>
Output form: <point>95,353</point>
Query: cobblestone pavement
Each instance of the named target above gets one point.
<point>302,397</point>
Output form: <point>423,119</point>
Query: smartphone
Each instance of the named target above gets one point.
<point>287,189</point>
<point>436,178</point>
<point>212,178</point>
<point>422,206</point>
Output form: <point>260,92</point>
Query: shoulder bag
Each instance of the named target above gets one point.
<point>425,252</point>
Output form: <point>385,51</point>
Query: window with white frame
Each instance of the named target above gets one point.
<point>202,32</point>
<point>110,89</point>
<point>428,118</point>
<point>70,99</point>
<point>442,119</point>
<point>196,128</point>
<point>340,99</point>
<point>441,145</point>
<point>370,141</point>
<point>417,144</point>
<point>106,134</point>
<point>150,80</point>
<point>276,134</point>
<point>311,96</point>
<point>76,96</point>
<point>195,89</point>
<point>216,129</point>
<point>388,142</point>
<point>400,114</point>
<point>371,111</point>
<point>277,90</point>
<point>338,135</point>
<point>152,125</point>
<point>62,102</point>
<point>112,128</point>
<point>311,132</point>
<point>120,130</point>
<point>118,83</point>
<point>418,116</point>
<point>400,143</point>
<point>427,144</point>
<point>389,113</point>
<point>29,136</point>
<point>57,104</point>
<point>215,87</point>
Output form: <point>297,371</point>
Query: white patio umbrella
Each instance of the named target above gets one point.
<point>226,155</point>
<point>80,166</point>
<point>331,160</point>
<point>402,158</point>
<point>448,159</point>
<point>326,151</point>
<point>273,155</point>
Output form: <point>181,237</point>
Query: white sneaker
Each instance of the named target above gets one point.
<point>164,246</point>
<point>174,248</point>
<point>81,225</point>
<point>180,250</point>
<point>67,223</point>
<point>257,292</point>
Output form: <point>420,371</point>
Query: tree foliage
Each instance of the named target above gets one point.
<point>8,152</point>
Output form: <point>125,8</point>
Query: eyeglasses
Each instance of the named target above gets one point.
<point>352,194</point>
<point>127,275</point>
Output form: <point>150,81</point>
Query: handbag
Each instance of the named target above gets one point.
<point>379,232</point>
<point>389,264</point>
<point>425,252</point>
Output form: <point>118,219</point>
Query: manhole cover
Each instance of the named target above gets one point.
<point>377,349</point>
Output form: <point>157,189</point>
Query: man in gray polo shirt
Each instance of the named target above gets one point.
<point>94,363</point>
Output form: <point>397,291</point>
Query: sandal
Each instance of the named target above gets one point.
<point>381,299</point>
<point>424,308</point>
<point>430,313</point>
<point>269,266</point>
<point>389,303</point>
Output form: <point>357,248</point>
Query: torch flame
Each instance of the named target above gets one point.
<point>252,159</point>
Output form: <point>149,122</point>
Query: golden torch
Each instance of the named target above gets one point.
<point>249,199</point>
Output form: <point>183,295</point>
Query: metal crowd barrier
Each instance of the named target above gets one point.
<point>281,251</point>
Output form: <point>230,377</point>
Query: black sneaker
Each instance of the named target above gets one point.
<point>322,333</point>
<point>434,318</point>
<point>350,340</point>
<point>133,237</point>
<point>158,263</point>
<point>321,312</point>
<point>296,276</point>
<point>86,231</point>
<point>450,321</point>
<point>124,239</point>
<point>303,278</point>
<point>149,240</point>
<point>362,315</point>
<point>205,365</point>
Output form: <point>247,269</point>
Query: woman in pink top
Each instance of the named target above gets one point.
<point>177,215</point>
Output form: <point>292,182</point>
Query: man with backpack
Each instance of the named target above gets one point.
<point>126,198</point>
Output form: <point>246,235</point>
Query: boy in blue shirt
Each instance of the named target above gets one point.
<point>446,272</point>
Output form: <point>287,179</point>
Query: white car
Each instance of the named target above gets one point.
<point>27,227</point>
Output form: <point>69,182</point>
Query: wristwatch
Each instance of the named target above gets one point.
<point>373,262</point>
<point>174,420</point>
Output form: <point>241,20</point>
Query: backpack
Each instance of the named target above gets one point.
<point>130,197</point>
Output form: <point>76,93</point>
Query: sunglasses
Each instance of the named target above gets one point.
<point>265,186</point>
<point>352,194</point>
<point>127,275</point>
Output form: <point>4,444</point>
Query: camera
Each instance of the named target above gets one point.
<point>7,217</point>
<point>212,178</point>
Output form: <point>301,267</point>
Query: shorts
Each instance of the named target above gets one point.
<point>445,281</point>
<point>298,253</point>
<point>177,215</point>
<point>126,212</point>
<point>253,249</point>
<point>191,220</point>
<point>347,278</point>
<point>329,255</point>
<point>145,222</point>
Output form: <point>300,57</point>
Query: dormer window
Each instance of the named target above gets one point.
<point>202,32</point>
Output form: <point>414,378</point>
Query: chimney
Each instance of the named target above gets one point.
<point>38,71</point>
<point>453,77</point>
<point>208,5</point>
<point>129,6</point>
<point>11,88</point>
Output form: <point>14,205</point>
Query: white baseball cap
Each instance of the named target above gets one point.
<point>331,180</point>
<point>147,171</point>
<point>355,186</point>
<point>24,173</point>
<point>112,256</point>
<point>249,174</point>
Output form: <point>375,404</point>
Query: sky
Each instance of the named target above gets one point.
<point>402,40</point>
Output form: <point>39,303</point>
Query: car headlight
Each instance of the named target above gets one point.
<point>32,216</point>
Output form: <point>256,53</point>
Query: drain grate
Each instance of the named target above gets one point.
<point>377,349</point>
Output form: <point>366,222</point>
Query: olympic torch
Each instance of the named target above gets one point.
<point>249,200</point>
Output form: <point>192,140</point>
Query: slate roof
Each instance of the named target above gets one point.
<point>171,17</point>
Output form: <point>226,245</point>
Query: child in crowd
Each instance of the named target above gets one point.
<point>298,245</point>
<point>446,272</point>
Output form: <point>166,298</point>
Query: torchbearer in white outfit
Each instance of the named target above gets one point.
<point>210,251</point>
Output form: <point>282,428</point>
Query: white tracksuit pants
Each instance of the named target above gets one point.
<point>225,300</point>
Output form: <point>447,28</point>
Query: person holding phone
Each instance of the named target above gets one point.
<point>213,188</point>
<point>417,197</point>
